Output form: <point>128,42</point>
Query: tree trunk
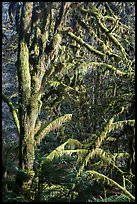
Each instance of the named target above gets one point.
<point>30,91</point>
<point>26,139</point>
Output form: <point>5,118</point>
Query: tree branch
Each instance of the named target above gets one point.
<point>89,47</point>
<point>62,14</point>
<point>112,182</point>
<point>13,111</point>
<point>56,124</point>
<point>94,12</point>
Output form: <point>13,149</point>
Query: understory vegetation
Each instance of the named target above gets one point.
<point>68,101</point>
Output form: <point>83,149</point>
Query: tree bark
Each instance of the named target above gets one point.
<point>26,139</point>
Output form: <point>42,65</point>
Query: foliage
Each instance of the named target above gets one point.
<point>119,198</point>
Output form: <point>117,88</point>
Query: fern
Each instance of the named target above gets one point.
<point>115,198</point>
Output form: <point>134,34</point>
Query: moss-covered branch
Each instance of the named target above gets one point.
<point>56,124</point>
<point>104,66</point>
<point>13,111</point>
<point>69,147</point>
<point>89,47</point>
<point>62,14</point>
<point>111,36</point>
<point>121,124</point>
<point>111,182</point>
<point>109,158</point>
<point>103,134</point>
<point>26,20</point>
<point>105,48</point>
<point>98,143</point>
<point>94,12</point>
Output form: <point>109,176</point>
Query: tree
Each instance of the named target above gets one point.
<point>57,44</point>
<point>32,64</point>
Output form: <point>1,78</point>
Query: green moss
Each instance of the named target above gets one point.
<point>24,71</point>
<point>52,126</point>
<point>89,47</point>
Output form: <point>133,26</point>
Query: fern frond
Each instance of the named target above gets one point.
<point>114,198</point>
<point>111,182</point>
<point>56,124</point>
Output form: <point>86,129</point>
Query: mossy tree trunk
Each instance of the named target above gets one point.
<point>29,92</point>
<point>26,139</point>
<point>32,71</point>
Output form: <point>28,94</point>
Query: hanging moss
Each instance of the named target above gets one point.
<point>111,182</point>
<point>52,126</point>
